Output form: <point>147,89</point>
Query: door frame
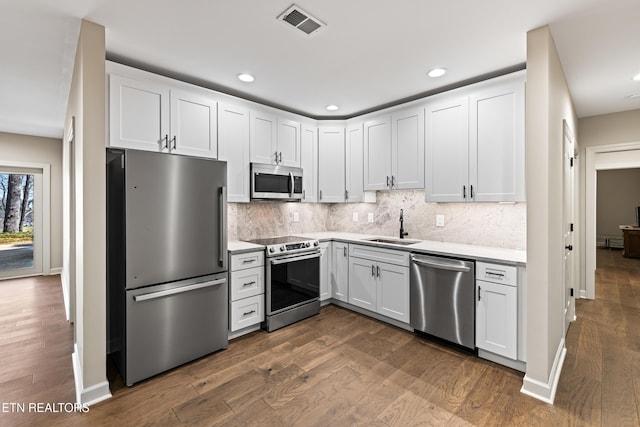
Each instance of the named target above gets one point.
<point>602,157</point>
<point>568,217</point>
<point>45,233</point>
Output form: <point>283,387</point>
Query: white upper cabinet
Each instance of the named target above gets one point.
<point>193,124</point>
<point>288,146</point>
<point>138,114</point>
<point>353,163</point>
<point>407,149</point>
<point>263,137</point>
<point>496,156</point>
<point>394,151</point>
<point>309,163</point>
<point>475,143</point>
<point>331,181</point>
<point>274,140</point>
<point>447,148</point>
<point>377,154</point>
<point>233,141</point>
<point>154,116</point>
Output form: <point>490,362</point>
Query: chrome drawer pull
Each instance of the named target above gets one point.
<point>248,313</point>
<point>253,282</point>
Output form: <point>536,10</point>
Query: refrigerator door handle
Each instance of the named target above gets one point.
<point>182,289</point>
<point>223,227</point>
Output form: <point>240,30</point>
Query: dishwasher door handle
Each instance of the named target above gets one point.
<point>179,290</point>
<point>443,265</point>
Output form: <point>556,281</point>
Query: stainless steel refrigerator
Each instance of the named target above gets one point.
<point>166,260</point>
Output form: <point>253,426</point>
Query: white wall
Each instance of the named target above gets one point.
<point>87,106</point>
<point>618,195</point>
<point>548,104</point>
<point>35,149</point>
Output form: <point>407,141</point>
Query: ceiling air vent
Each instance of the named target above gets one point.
<point>301,20</point>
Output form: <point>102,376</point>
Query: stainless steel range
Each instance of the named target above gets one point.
<point>292,280</point>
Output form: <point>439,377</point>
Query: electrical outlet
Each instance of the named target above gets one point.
<point>370,217</point>
<point>355,217</point>
<point>296,217</point>
<point>439,220</point>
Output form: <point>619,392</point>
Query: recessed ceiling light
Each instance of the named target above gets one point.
<point>246,77</point>
<point>637,77</point>
<point>332,107</point>
<point>437,72</point>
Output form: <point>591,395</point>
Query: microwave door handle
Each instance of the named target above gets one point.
<point>292,183</point>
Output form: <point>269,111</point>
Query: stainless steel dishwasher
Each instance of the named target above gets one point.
<point>443,298</point>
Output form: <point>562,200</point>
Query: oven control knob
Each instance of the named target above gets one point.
<point>306,245</point>
<point>272,250</point>
<point>281,248</point>
<point>316,243</point>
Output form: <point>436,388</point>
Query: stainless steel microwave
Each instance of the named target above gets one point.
<point>275,182</point>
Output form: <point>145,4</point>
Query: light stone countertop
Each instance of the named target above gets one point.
<point>237,246</point>
<point>476,252</point>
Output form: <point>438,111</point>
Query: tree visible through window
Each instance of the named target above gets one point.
<point>16,219</point>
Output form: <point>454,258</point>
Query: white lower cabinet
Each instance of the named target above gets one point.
<point>246,292</point>
<point>380,286</point>
<point>362,283</point>
<point>497,309</point>
<point>325,270</point>
<point>340,271</point>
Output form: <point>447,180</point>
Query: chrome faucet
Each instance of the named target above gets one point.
<point>402,232</point>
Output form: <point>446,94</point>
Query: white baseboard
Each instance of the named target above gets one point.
<point>546,391</point>
<point>583,294</point>
<point>90,395</point>
<point>54,271</point>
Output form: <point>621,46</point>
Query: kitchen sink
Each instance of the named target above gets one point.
<point>392,241</point>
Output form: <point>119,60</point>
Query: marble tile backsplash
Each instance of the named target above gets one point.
<point>488,224</point>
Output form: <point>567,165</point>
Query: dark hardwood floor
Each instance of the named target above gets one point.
<point>337,368</point>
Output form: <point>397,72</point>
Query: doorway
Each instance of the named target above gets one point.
<point>608,157</point>
<point>21,221</point>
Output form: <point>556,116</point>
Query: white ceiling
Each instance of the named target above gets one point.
<point>372,52</point>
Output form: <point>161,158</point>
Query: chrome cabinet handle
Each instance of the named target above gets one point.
<point>280,157</point>
<point>253,282</point>
<point>275,158</point>
<point>393,179</point>
<point>387,181</point>
<point>346,194</point>
<point>479,290</point>
<point>373,270</point>
<point>464,191</point>
<point>320,195</point>
<point>344,251</point>
<point>174,142</point>
<point>246,313</point>
<point>248,261</point>
<point>378,271</point>
<point>166,141</point>
<point>471,191</point>
<point>304,194</point>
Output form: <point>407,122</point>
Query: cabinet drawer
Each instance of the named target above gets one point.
<point>496,273</point>
<point>246,312</point>
<point>247,260</point>
<point>380,254</point>
<point>247,283</point>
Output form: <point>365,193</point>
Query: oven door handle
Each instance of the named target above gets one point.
<point>294,258</point>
